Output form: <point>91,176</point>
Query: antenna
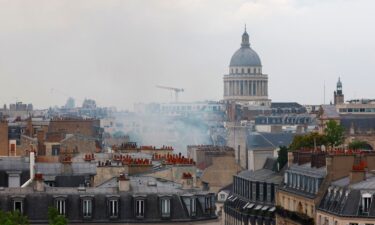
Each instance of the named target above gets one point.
<point>324,92</point>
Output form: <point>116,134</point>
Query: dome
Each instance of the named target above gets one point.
<point>245,56</point>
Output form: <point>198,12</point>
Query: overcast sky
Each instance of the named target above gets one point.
<point>117,51</point>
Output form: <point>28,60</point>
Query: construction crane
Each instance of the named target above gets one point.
<point>176,90</point>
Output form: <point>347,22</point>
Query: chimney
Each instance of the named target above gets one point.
<point>358,173</point>
<point>290,158</point>
<point>39,182</point>
<point>123,183</point>
<point>187,181</point>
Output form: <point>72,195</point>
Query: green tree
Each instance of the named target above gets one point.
<point>13,218</point>
<point>334,133</point>
<point>54,218</point>
<point>357,144</point>
<point>309,140</point>
<point>282,158</point>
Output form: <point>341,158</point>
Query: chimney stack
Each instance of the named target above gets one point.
<point>358,172</point>
<point>39,182</point>
<point>290,158</point>
<point>187,181</point>
<point>123,183</point>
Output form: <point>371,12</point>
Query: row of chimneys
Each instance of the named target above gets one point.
<point>133,146</point>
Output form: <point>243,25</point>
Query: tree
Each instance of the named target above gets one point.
<point>357,144</point>
<point>54,218</point>
<point>13,218</point>
<point>282,158</point>
<point>308,141</point>
<point>334,133</point>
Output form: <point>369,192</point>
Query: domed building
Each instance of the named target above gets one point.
<point>245,82</point>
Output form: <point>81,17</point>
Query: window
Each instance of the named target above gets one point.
<point>60,206</point>
<point>140,208</point>
<point>190,203</point>
<point>55,150</point>
<point>207,204</point>
<point>261,197</point>
<point>165,207</point>
<point>193,206</point>
<point>222,196</point>
<point>366,202</point>
<point>113,208</point>
<point>253,190</point>
<point>269,191</point>
<point>87,208</point>
<point>18,206</point>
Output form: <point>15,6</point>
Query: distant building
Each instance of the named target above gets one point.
<point>338,95</point>
<point>245,82</point>
<point>253,148</point>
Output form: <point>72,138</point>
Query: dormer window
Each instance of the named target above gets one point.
<point>87,207</point>
<point>366,202</point>
<point>190,204</point>
<point>165,207</point>
<point>113,207</point>
<point>18,205</point>
<point>140,208</point>
<point>60,204</point>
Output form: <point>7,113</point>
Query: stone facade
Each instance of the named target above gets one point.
<point>86,127</point>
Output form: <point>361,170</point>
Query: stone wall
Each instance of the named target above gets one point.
<point>4,142</point>
<point>85,127</point>
<point>107,172</point>
<point>79,144</point>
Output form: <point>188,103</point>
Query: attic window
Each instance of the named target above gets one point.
<point>139,208</point>
<point>87,207</point>
<point>366,202</point>
<point>113,207</point>
<point>60,206</point>
<point>191,205</point>
<point>165,206</point>
<point>18,205</point>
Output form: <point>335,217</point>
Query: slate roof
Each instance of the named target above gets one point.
<point>344,199</point>
<point>285,105</point>
<point>330,112</point>
<point>266,174</point>
<point>257,140</point>
<point>14,163</point>
<point>306,169</point>
<point>57,168</point>
<point>360,122</point>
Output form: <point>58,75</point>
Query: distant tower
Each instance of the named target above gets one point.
<point>338,95</point>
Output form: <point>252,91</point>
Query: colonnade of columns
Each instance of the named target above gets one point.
<point>246,88</point>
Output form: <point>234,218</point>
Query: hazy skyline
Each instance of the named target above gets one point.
<point>117,51</point>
